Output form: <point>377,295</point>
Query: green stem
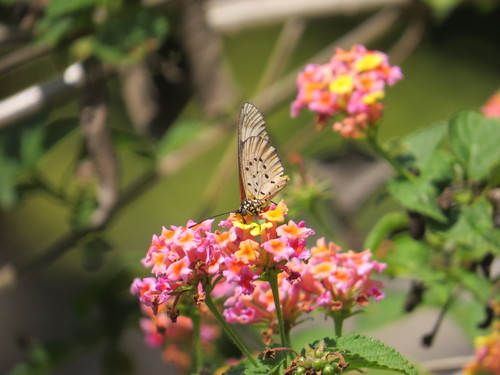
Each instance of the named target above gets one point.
<point>273,282</point>
<point>379,148</point>
<point>195,316</point>
<point>229,330</point>
<point>338,321</point>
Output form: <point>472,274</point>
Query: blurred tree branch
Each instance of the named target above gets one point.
<point>94,123</point>
<point>231,16</point>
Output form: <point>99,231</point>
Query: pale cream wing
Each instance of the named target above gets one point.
<point>261,169</point>
<point>251,123</point>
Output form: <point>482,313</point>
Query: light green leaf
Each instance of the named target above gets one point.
<point>58,8</point>
<point>479,286</point>
<point>410,257</point>
<point>365,352</point>
<point>384,227</point>
<point>441,8</point>
<point>474,231</point>
<point>439,167</point>
<point>475,141</point>
<point>418,196</point>
<point>423,143</point>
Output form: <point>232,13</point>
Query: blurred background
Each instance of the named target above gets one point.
<point>119,117</point>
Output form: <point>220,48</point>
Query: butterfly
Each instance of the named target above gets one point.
<point>260,168</point>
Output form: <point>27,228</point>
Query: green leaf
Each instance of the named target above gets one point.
<point>51,32</point>
<point>418,196</point>
<point>387,224</point>
<point>479,286</point>
<point>474,231</point>
<point>130,35</point>
<point>9,170</point>
<point>439,167</point>
<point>423,143</point>
<point>474,140</point>
<point>58,8</point>
<point>94,251</point>
<point>32,146</point>
<point>410,257</point>
<point>246,368</point>
<point>442,8</point>
<point>365,352</point>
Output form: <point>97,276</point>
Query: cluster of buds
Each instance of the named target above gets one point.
<point>316,361</point>
<point>349,88</point>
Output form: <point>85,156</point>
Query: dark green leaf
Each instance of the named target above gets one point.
<point>51,32</point>
<point>365,352</point>
<point>32,146</point>
<point>128,37</point>
<point>417,195</point>
<point>9,170</point>
<point>474,140</point>
<point>57,130</point>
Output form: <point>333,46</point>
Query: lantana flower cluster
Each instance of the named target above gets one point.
<point>192,259</point>
<point>340,280</point>
<point>349,88</point>
<point>487,359</point>
<point>237,263</point>
<point>176,339</point>
<point>331,280</point>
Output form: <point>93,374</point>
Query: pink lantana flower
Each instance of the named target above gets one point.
<point>340,280</point>
<point>492,106</point>
<point>487,356</point>
<point>349,88</point>
<point>176,338</point>
<point>259,306</point>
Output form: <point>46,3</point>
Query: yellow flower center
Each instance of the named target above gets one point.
<point>342,85</point>
<point>368,62</point>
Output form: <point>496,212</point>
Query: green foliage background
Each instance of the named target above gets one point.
<point>454,68</point>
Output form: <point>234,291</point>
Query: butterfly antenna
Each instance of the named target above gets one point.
<point>211,217</point>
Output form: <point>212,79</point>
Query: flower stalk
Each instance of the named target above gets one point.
<point>229,330</point>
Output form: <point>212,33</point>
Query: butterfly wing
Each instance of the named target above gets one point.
<point>260,169</point>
